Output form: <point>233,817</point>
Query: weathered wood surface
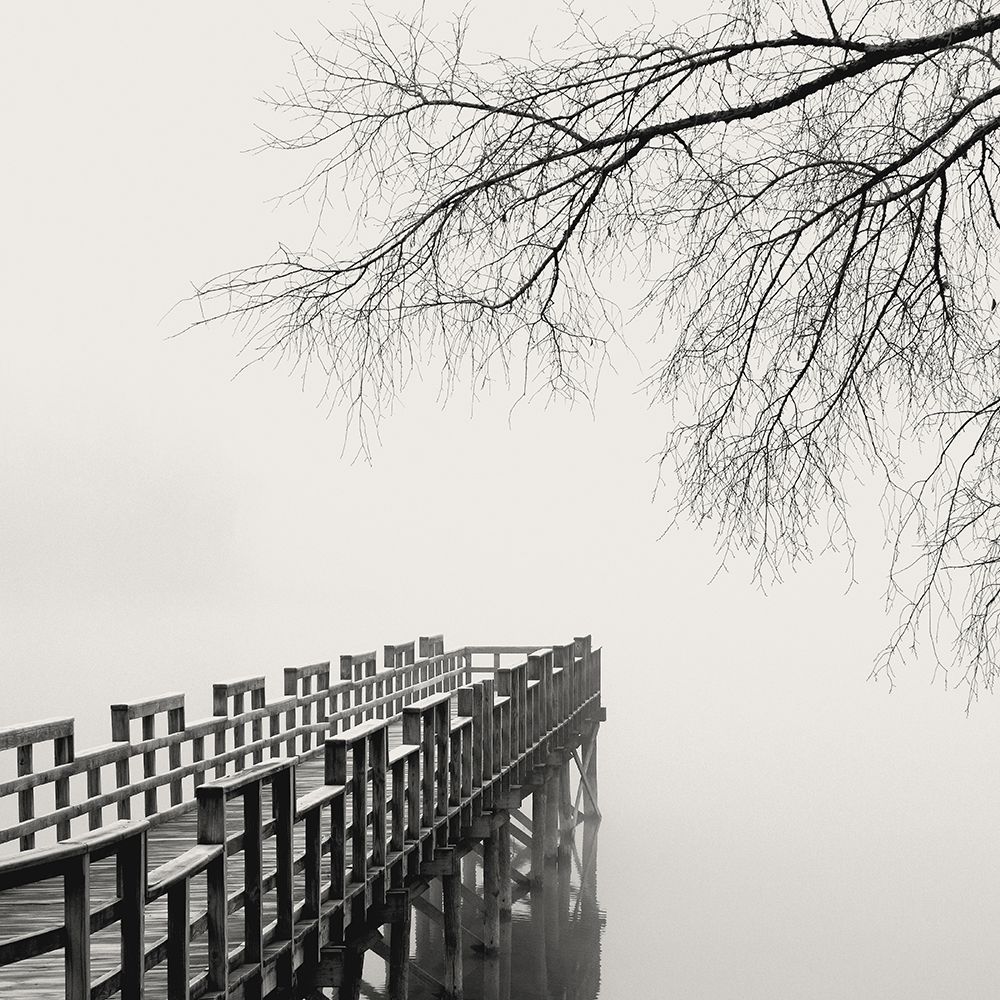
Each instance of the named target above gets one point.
<point>426,749</point>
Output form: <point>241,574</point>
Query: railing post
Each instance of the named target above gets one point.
<point>486,709</point>
<point>179,936</point>
<point>283,798</point>
<point>379,759</point>
<point>397,818</point>
<point>413,736</point>
<point>131,864</point>
<point>120,734</point>
<point>212,830</point>
<point>76,906</point>
<point>253,916</point>
<point>313,865</point>
<point>335,773</point>
<point>505,741</point>
<point>521,672</point>
<point>442,725</point>
<point>537,672</point>
<point>418,726</point>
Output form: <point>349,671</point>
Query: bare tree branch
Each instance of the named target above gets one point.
<point>809,187</point>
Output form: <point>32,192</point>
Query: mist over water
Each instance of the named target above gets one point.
<point>776,825</point>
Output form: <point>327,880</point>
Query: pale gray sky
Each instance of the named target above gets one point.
<point>777,825</point>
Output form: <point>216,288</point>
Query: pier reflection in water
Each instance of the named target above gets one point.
<point>550,943</point>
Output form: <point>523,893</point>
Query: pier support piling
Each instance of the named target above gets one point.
<point>567,818</point>
<point>539,816</point>
<point>399,945</point>
<point>589,776</point>
<point>503,870</point>
<point>452,889</point>
<point>491,893</point>
<point>353,969</point>
<point>551,834</point>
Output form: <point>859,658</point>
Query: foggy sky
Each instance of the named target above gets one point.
<point>777,825</point>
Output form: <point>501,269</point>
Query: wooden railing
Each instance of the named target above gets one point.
<point>313,707</point>
<point>468,746</point>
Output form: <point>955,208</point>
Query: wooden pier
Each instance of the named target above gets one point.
<point>266,864</point>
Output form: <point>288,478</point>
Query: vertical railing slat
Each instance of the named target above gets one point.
<point>63,753</point>
<point>120,733</point>
<point>175,725</point>
<point>257,726</point>
<point>26,797</point>
<point>149,763</point>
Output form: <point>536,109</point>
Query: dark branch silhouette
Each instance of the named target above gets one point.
<point>808,192</point>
